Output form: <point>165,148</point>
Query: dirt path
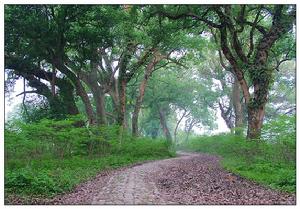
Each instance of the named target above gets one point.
<point>187,179</point>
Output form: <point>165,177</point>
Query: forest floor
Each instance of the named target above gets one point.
<point>189,178</point>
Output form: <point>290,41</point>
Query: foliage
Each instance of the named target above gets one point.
<point>271,161</point>
<point>50,157</point>
<point>100,51</point>
<point>282,96</point>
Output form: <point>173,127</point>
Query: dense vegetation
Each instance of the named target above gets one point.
<point>110,85</point>
<point>51,157</point>
<point>270,161</point>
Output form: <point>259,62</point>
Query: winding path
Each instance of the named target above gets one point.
<point>186,179</point>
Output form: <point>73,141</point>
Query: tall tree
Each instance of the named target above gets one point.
<point>264,25</point>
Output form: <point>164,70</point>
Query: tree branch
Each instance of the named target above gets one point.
<point>190,14</point>
<point>280,62</point>
<point>251,34</point>
<point>26,92</point>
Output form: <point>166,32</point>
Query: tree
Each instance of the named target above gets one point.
<point>184,90</point>
<point>263,25</point>
<point>36,34</point>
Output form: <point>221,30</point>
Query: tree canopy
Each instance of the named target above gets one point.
<point>168,64</point>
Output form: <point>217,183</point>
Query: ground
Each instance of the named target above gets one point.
<point>189,178</point>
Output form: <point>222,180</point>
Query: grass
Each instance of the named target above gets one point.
<point>272,164</point>
<point>52,157</point>
<point>50,177</point>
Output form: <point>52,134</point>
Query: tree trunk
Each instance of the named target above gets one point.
<point>114,93</point>
<point>258,72</point>
<point>66,93</point>
<point>255,121</point>
<point>140,97</point>
<point>138,105</point>
<point>190,126</point>
<point>57,108</point>
<point>79,89</point>
<point>122,100</point>
<point>261,75</point>
<point>177,124</point>
<point>226,116</point>
<point>86,101</point>
<point>238,111</point>
<point>100,105</point>
<point>101,112</point>
<point>91,79</point>
<point>163,124</point>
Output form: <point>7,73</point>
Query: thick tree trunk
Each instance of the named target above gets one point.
<point>163,123</point>
<point>100,105</point>
<point>99,95</point>
<point>238,111</point>
<point>66,93</point>
<point>256,107</point>
<point>255,121</point>
<point>261,75</point>
<point>86,101</point>
<point>79,90</point>
<point>114,93</point>
<point>57,108</point>
<point>91,79</point>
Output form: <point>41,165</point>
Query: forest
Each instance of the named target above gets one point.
<point>106,87</point>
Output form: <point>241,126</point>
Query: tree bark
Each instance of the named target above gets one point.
<point>238,111</point>
<point>236,70</point>
<point>163,123</point>
<point>140,97</point>
<point>260,74</point>
<point>177,124</point>
<point>255,121</point>
<point>79,90</point>
<point>56,107</point>
<point>138,104</point>
<point>122,100</point>
<point>225,116</point>
<point>66,93</point>
<point>24,97</point>
<point>91,79</point>
<point>86,101</point>
<point>100,105</point>
<point>114,93</point>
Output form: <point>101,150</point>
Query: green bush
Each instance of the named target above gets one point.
<point>51,156</point>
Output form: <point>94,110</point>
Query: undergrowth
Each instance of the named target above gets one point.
<point>51,157</point>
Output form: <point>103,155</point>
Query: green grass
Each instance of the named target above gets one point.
<point>51,157</point>
<point>269,163</point>
<point>50,177</point>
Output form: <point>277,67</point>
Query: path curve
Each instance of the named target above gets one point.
<point>186,179</point>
